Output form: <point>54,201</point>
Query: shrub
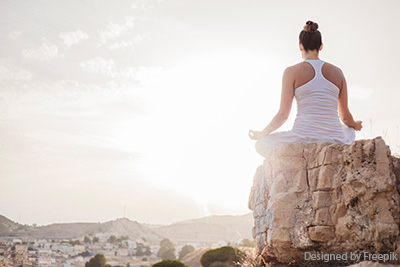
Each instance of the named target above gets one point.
<point>169,263</point>
<point>220,264</point>
<point>186,249</point>
<point>97,261</point>
<point>168,254</point>
<point>167,250</point>
<point>226,254</point>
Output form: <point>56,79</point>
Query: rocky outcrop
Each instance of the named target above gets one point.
<point>327,198</point>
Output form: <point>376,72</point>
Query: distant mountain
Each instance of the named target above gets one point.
<point>7,225</point>
<point>119,227</point>
<point>152,226</point>
<point>209,229</point>
<point>206,230</point>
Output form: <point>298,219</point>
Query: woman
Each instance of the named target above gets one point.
<point>320,90</point>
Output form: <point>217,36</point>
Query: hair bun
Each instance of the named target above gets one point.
<point>310,26</point>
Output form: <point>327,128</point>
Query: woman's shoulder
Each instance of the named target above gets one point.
<point>304,63</point>
<point>328,68</point>
<point>333,68</point>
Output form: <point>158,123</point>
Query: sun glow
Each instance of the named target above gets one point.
<point>194,131</point>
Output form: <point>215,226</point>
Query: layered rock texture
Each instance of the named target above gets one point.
<point>326,198</point>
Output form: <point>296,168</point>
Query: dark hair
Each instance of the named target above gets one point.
<point>310,37</point>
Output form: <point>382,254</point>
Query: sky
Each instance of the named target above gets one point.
<point>142,108</point>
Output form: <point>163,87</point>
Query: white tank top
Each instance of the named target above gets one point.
<point>317,110</point>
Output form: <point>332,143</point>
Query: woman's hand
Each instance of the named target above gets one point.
<point>255,135</point>
<point>358,126</point>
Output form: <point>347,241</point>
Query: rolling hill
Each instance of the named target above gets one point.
<point>206,230</point>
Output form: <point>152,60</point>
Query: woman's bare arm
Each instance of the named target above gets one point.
<point>344,112</point>
<point>287,95</point>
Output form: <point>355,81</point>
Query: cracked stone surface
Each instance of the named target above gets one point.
<point>326,197</point>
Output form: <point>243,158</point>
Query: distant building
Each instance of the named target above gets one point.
<point>33,259</point>
<point>5,242</point>
<point>48,262</point>
<point>43,252</point>
<point>8,262</point>
<point>131,244</point>
<point>123,252</point>
<point>64,248</point>
<point>29,240</point>
<point>44,262</point>
<point>27,263</point>
<point>32,252</point>
<point>19,249</point>
<point>107,252</point>
<point>103,237</point>
<point>108,246</point>
<point>79,249</point>
<point>80,263</point>
<point>69,263</point>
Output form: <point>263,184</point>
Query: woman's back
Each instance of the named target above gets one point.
<point>317,107</point>
<point>320,91</point>
<point>305,72</point>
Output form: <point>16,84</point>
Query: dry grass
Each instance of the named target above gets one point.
<point>249,258</point>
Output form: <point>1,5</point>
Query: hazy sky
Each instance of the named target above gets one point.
<point>142,108</point>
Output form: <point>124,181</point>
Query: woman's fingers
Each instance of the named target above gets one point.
<point>358,126</point>
<point>251,134</point>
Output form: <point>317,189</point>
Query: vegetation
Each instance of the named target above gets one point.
<point>97,261</point>
<point>221,257</point>
<point>168,254</point>
<point>186,249</point>
<point>167,250</point>
<point>112,239</point>
<point>84,254</point>
<point>122,238</point>
<point>248,259</point>
<point>247,243</point>
<point>22,227</point>
<point>87,239</point>
<point>74,242</point>
<point>169,263</point>
<point>142,250</point>
<point>220,264</point>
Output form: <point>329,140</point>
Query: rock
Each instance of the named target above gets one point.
<point>326,198</point>
<point>321,233</point>
<point>372,264</point>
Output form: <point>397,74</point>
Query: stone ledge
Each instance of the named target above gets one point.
<point>326,197</point>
